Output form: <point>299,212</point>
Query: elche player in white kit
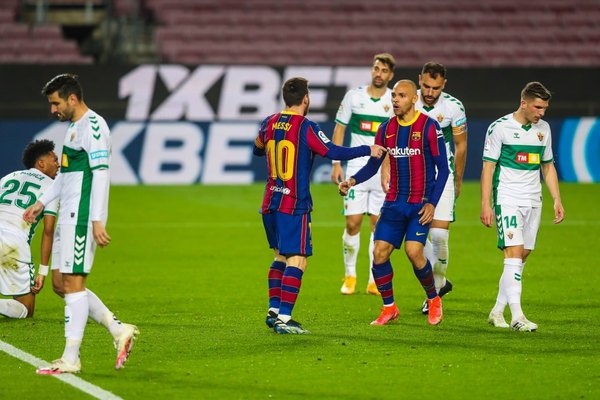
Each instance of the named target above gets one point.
<point>449,112</point>
<point>363,109</point>
<point>517,147</point>
<point>18,190</point>
<point>82,190</point>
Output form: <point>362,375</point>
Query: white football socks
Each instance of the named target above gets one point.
<point>102,315</point>
<point>76,315</point>
<point>511,280</point>
<point>12,309</point>
<point>439,241</point>
<point>351,245</point>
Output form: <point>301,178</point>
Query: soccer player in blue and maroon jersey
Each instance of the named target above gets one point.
<point>290,142</point>
<point>415,149</point>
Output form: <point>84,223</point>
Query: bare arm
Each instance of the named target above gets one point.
<point>459,136</point>
<point>46,250</point>
<point>551,179</point>
<point>337,172</point>
<point>487,214</point>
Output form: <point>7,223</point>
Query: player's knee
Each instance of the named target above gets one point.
<point>380,255</point>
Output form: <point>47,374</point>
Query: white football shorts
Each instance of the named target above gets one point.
<point>517,225</point>
<point>16,270</point>
<point>444,211</point>
<point>367,197</point>
<point>76,248</point>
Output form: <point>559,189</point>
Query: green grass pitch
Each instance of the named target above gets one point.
<point>188,265</point>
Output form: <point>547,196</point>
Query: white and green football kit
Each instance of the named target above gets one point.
<point>363,115</point>
<point>86,149</point>
<point>18,190</point>
<point>449,112</point>
<point>518,151</point>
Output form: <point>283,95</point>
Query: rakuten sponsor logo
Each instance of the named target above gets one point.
<point>399,152</point>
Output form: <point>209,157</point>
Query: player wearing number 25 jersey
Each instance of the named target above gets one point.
<point>290,142</point>
<point>18,190</point>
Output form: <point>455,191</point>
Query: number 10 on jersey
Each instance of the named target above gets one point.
<point>282,156</point>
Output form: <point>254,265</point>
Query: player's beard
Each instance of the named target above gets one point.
<point>66,115</point>
<point>379,85</point>
<point>429,100</point>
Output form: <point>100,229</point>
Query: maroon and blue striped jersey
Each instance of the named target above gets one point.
<point>290,142</point>
<point>418,164</point>
<point>412,149</point>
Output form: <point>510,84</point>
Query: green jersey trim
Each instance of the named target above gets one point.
<point>101,166</point>
<point>490,159</point>
<point>78,161</point>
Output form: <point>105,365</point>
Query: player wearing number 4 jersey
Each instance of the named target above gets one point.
<point>517,146</point>
<point>82,190</point>
<point>289,141</point>
<point>19,190</point>
<point>363,109</point>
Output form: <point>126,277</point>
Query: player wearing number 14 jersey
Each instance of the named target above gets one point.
<point>517,147</point>
<point>290,142</point>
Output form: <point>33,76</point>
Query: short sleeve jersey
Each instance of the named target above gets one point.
<point>19,190</point>
<point>86,148</point>
<point>291,142</point>
<point>518,151</point>
<point>363,115</point>
<point>449,112</point>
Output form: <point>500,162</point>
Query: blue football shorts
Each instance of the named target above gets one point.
<point>289,234</point>
<point>400,221</point>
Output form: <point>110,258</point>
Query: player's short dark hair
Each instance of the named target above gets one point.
<point>535,90</point>
<point>385,58</point>
<point>434,70</point>
<point>294,90</point>
<point>34,150</point>
<point>65,85</point>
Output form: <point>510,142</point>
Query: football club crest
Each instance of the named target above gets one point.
<point>386,108</point>
<point>540,136</point>
<point>72,136</point>
<point>440,118</point>
<point>510,235</point>
<point>416,136</point>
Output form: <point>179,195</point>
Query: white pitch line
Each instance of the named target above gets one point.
<point>72,380</point>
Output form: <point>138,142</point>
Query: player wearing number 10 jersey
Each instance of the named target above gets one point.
<point>290,142</point>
